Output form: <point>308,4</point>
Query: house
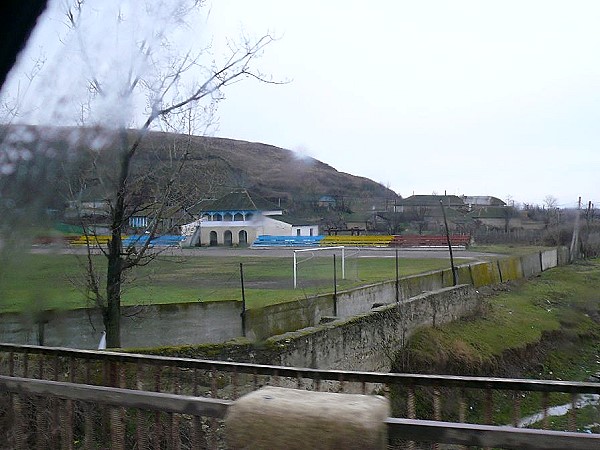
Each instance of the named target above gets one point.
<point>89,207</point>
<point>92,207</point>
<point>422,203</point>
<point>497,217</point>
<point>481,201</point>
<point>326,201</point>
<point>423,213</point>
<point>239,218</point>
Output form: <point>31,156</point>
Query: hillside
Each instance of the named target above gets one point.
<point>273,172</point>
<point>214,166</point>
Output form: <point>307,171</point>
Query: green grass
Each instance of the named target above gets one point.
<point>563,302</point>
<point>560,298</point>
<point>52,281</point>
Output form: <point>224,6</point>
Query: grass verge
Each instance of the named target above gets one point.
<point>546,328</point>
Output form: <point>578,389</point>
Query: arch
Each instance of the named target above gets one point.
<point>243,237</point>
<point>249,216</point>
<point>227,217</point>
<point>213,238</point>
<point>228,238</point>
<point>238,217</point>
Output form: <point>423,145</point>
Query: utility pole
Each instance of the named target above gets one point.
<point>575,236</point>
<point>454,281</point>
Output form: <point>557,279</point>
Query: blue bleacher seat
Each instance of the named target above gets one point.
<point>287,241</point>
<point>167,240</point>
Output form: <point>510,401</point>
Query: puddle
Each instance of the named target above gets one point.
<point>561,410</point>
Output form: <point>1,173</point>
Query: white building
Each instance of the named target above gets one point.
<point>239,218</point>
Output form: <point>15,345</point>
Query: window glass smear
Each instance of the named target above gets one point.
<point>93,80</point>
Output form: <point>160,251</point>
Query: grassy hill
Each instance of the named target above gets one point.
<point>62,159</point>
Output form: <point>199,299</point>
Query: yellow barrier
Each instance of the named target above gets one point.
<point>357,241</point>
<point>92,240</point>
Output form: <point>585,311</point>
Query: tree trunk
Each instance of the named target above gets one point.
<point>116,264</point>
<point>112,312</point>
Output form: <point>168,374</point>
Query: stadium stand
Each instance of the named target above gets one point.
<point>457,240</point>
<point>167,240</point>
<point>102,240</point>
<point>92,240</point>
<point>423,241</point>
<point>358,241</point>
<point>286,241</point>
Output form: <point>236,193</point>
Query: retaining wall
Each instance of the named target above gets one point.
<point>368,341</point>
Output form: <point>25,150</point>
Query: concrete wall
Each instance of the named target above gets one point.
<point>368,341</point>
<point>276,319</point>
<point>510,269</point>
<point>148,326</point>
<point>531,264</point>
<point>549,259</point>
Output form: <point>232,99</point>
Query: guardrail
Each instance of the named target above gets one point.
<point>67,415</point>
<point>53,414</point>
<point>437,397</point>
<point>485,436</point>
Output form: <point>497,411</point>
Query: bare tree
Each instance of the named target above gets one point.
<point>550,202</point>
<point>509,212</point>
<point>418,216</point>
<point>171,105</point>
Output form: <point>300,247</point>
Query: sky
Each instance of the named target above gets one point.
<point>463,97</point>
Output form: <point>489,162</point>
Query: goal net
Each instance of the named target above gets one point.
<point>317,268</point>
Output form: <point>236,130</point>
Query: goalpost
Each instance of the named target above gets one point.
<point>314,249</point>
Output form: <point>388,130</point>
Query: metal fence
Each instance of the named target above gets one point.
<point>464,403</point>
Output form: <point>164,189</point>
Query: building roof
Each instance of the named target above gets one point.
<point>482,200</point>
<point>431,200</point>
<point>490,212</point>
<point>241,200</point>
<point>326,199</point>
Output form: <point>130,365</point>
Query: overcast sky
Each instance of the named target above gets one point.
<point>475,97</point>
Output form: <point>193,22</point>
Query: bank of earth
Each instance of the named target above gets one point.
<point>544,328</point>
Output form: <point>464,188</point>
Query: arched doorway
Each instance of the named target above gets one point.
<point>243,237</point>
<point>213,238</point>
<point>228,238</point>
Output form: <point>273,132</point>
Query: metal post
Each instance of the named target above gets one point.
<point>243,314</point>
<point>343,264</point>
<point>397,280</point>
<point>334,287</point>
<point>295,276</point>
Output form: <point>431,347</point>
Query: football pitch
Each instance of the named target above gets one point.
<point>31,282</point>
